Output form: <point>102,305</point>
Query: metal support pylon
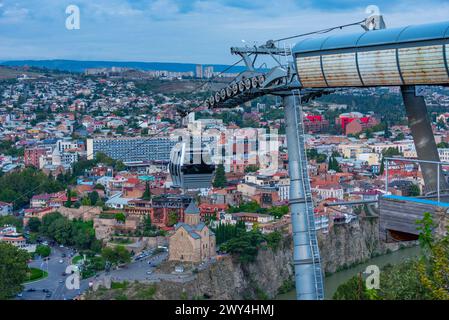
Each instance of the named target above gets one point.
<point>306,254</point>
<point>425,145</point>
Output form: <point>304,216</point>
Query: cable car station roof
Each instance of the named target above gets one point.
<point>434,32</point>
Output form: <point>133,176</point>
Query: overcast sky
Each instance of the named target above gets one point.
<point>196,31</point>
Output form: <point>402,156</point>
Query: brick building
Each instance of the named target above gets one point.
<point>32,155</point>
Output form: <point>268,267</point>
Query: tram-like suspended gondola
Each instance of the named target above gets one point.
<point>191,168</point>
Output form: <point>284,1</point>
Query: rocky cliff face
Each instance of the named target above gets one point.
<point>228,279</point>
<point>350,244</point>
<point>343,246</point>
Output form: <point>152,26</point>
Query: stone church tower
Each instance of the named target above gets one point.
<point>192,241</point>
<point>192,214</point>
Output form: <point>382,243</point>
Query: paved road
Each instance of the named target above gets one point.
<point>138,271</point>
<point>55,282</point>
<point>142,270</point>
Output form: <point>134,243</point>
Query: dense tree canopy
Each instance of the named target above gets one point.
<point>116,255</point>
<point>70,232</point>
<point>34,224</point>
<point>13,270</point>
<point>11,220</point>
<point>19,187</point>
<point>147,193</point>
<point>220,177</point>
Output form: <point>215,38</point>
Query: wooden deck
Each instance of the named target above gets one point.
<point>401,213</point>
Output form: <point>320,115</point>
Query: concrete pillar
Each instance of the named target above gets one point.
<point>425,145</point>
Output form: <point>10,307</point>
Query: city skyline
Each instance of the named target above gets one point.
<point>180,31</point>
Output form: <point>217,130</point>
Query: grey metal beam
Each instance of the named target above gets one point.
<point>425,144</point>
<point>302,252</point>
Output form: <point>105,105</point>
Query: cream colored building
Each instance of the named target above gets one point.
<point>351,151</point>
<point>192,241</point>
<point>371,158</point>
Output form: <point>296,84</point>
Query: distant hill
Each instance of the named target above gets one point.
<point>13,73</point>
<point>80,66</point>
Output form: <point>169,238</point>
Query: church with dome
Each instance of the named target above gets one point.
<point>192,240</point>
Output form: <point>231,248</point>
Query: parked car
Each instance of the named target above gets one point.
<point>149,272</point>
<point>31,290</point>
<point>61,261</point>
<point>48,295</point>
<point>20,295</point>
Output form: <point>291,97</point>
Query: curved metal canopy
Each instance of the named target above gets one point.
<point>426,32</point>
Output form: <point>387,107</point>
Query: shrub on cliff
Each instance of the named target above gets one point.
<point>424,278</point>
<point>245,246</point>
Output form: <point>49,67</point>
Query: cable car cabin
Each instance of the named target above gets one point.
<point>414,55</point>
<point>191,168</point>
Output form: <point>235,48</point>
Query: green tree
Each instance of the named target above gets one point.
<point>387,132</point>
<point>86,201</point>
<point>13,270</point>
<point>68,203</point>
<point>251,206</point>
<point>61,231</point>
<point>251,168</point>
<point>443,145</point>
<point>390,152</point>
<point>11,220</point>
<point>94,197</point>
<point>120,217</point>
<point>400,136</point>
<point>19,187</point>
<point>43,251</point>
<point>147,193</point>
<point>99,186</point>
<point>441,124</point>
<point>34,224</point>
<point>172,218</point>
<point>354,289</point>
<point>119,166</point>
<point>425,228</point>
<point>120,129</point>
<point>382,167</point>
<point>108,255</point>
<point>220,177</point>
<point>414,191</point>
<point>117,255</point>
<point>274,239</point>
<point>48,220</point>
<point>245,246</point>
<point>278,212</point>
<point>148,225</point>
<point>334,165</point>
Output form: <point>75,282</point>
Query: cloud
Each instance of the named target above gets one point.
<point>181,30</point>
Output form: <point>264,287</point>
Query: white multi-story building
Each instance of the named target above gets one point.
<point>9,234</point>
<point>66,144</point>
<point>326,192</point>
<point>284,189</point>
